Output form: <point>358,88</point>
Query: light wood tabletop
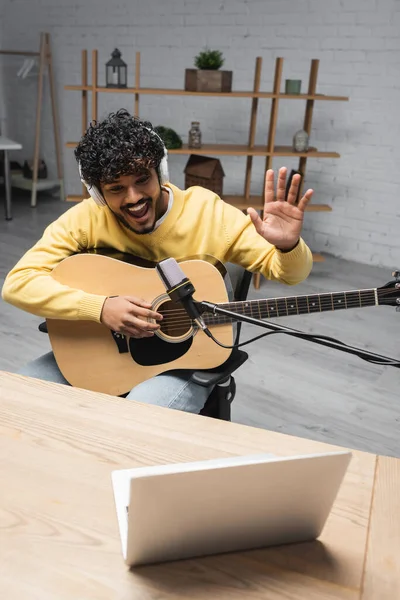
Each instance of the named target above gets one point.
<point>59,535</point>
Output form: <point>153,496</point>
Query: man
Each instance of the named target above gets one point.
<point>133,208</point>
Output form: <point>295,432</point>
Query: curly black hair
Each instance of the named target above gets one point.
<point>119,145</point>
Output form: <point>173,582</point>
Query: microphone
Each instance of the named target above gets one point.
<point>180,289</point>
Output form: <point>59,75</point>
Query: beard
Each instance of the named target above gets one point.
<point>135,231</point>
<point>157,204</point>
<point>148,229</point>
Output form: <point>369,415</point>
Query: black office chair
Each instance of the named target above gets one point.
<point>219,402</point>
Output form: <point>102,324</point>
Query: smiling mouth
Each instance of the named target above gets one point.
<point>139,210</point>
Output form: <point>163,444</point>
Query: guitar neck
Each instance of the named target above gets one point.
<point>298,305</point>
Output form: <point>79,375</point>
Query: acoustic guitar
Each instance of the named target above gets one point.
<point>90,356</point>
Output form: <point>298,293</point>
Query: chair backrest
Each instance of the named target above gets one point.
<point>240,280</point>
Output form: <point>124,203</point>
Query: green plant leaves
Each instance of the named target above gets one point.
<point>170,138</point>
<point>209,60</point>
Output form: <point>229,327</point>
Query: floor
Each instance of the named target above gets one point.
<point>287,385</point>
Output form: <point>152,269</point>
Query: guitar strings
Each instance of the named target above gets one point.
<point>348,302</point>
<point>176,322</point>
<point>250,309</point>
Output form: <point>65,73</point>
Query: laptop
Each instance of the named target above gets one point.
<point>186,510</point>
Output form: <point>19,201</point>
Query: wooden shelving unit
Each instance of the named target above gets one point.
<point>250,150</point>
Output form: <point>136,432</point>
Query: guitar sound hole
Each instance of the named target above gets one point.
<point>176,322</point>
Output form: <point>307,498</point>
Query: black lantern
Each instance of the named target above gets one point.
<point>116,71</point>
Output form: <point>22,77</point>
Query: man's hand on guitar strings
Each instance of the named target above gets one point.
<point>282,219</point>
<point>127,314</point>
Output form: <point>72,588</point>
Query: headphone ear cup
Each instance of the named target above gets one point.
<point>96,195</point>
<point>93,191</point>
<point>163,168</point>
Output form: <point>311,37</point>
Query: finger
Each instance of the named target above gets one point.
<point>269,186</point>
<point>305,199</point>
<point>149,314</point>
<point>294,189</point>
<point>137,333</point>
<point>137,329</point>
<point>256,219</point>
<point>138,301</point>
<point>281,185</point>
<point>136,323</point>
<point>137,310</point>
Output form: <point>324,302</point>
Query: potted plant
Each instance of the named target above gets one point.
<point>208,77</point>
<point>170,138</point>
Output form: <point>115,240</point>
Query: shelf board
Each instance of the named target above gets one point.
<point>312,152</point>
<point>241,203</point>
<point>175,92</point>
<point>244,150</point>
<point>227,149</point>
<point>20,182</point>
<point>318,208</point>
<point>179,92</point>
<point>78,88</point>
<point>20,53</point>
<point>313,97</point>
<point>256,202</point>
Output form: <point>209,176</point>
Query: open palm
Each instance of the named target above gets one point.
<point>282,219</point>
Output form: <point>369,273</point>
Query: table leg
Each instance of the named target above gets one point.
<point>7,180</point>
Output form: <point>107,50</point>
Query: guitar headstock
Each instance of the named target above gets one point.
<point>389,294</point>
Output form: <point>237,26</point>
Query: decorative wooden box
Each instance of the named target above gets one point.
<point>198,80</point>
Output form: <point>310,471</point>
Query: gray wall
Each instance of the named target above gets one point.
<point>2,79</point>
<point>358,45</point>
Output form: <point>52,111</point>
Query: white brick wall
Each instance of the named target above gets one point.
<point>2,95</point>
<point>357,42</point>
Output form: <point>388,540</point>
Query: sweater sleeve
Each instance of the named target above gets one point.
<point>249,249</point>
<point>30,285</point>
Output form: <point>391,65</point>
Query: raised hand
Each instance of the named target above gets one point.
<point>282,220</point>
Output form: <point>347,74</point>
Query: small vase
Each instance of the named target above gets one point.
<point>195,135</point>
<point>292,86</point>
<point>300,141</point>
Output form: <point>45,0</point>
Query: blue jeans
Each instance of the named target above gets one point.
<point>171,390</point>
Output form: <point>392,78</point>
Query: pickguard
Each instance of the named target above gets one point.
<point>155,351</point>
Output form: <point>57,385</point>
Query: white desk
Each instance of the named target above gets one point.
<point>6,145</point>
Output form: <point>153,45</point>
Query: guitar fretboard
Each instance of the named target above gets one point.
<point>296,305</point>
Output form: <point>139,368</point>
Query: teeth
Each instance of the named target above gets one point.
<point>137,208</point>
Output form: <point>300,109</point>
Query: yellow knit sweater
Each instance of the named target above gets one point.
<point>199,222</point>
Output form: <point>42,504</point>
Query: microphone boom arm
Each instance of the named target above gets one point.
<point>322,340</point>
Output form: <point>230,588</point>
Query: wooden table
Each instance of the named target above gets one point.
<point>58,528</point>
<point>6,145</point>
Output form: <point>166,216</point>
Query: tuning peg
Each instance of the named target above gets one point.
<point>396,275</point>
